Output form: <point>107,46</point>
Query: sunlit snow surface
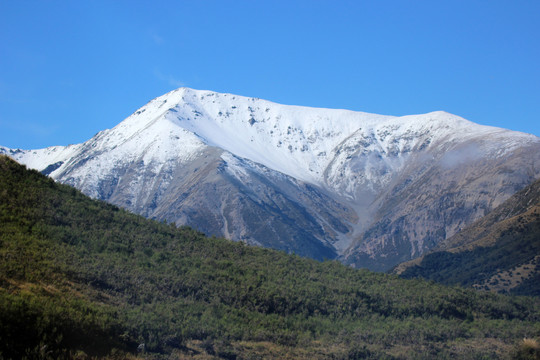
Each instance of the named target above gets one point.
<point>310,144</point>
<point>298,141</point>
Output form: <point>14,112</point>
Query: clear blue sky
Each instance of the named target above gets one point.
<point>69,69</point>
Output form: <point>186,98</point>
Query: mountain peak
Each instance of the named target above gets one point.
<point>375,189</point>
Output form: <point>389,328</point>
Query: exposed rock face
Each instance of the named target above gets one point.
<point>431,201</point>
<point>370,189</point>
<point>499,252</point>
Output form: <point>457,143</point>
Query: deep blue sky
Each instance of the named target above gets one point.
<point>69,69</point>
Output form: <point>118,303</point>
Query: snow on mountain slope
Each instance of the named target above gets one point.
<point>182,156</point>
<point>370,158</point>
<point>41,159</point>
<point>298,141</point>
<point>294,140</point>
<point>303,142</point>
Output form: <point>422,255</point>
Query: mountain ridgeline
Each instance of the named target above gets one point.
<point>82,278</point>
<point>369,190</point>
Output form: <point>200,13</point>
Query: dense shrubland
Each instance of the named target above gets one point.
<point>83,278</point>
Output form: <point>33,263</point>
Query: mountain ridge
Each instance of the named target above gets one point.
<point>360,163</point>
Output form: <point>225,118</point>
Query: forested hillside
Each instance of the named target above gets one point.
<point>80,278</point>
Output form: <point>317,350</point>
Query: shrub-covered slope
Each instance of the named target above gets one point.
<point>500,252</point>
<point>83,278</point>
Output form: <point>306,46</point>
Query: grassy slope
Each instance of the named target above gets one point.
<point>80,277</point>
<point>501,252</point>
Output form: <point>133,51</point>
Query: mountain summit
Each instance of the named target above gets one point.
<point>373,190</point>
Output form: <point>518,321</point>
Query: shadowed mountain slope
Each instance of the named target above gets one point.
<point>500,252</point>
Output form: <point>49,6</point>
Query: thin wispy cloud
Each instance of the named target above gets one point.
<point>158,40</point>
<point>169,79</point>
<point>153,36</point>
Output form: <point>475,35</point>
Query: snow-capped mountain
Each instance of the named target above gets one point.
<point>373,190</point>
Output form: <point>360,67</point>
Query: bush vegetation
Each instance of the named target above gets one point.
<point>81,278</point>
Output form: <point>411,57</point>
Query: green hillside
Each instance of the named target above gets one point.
<point>80,278</point>
<point>500,252</point>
